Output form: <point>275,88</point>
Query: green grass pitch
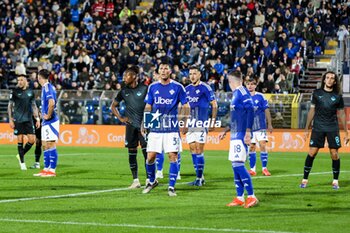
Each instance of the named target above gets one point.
<point>89,195</point>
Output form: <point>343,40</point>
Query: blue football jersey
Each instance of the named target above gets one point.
<point>199,98</point>
<point>242,112</point>
<point>260,105</point>
<point>48,92</point>
<point>165,100</point>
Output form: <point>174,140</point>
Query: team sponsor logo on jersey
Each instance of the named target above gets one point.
<point>138,93</point>
<point>156,93</point>
<point>197,91</point>
<point>171,92</point>
<point>161,100</point>
<point>192,99</point>
<point>333,98</point>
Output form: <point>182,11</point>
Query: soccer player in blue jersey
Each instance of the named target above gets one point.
<point>242,116</point>
<point>162,102</point>
<point>200,96</point>
<point>261,115</point>
<point>50,125</point>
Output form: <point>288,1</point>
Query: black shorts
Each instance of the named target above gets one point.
<point>133,137</point>
<point>24,128</point>
<point>318,139</point>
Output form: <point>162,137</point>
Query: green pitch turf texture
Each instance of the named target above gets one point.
<point>97,179</point>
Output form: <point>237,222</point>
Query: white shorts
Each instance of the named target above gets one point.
<point>50,132</point>
<point>259,136</point>
<point>167,142</point>
<point>196,136</point>
<point>238,151</point>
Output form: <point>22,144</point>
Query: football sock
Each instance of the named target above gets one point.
<point>245,178</point>
<point>20,151</point>
<point>151,171</point>
<point>27,147</point>
<point>264,157</point>
<point>194,161</point>
<point>336,168</point>
<point>47,159</point>
<point>160,161</point>
<point>252,160</point>
<point>37,152</point>
<point>144,152</point>
<point>53,158</point>
<point>133,162</point>
<point>179,162</point>
<point>308,165</point>
<point>173,171</point>
<point>200,165</point>
<point>237,179</point>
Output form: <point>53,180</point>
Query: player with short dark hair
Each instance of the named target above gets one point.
<point>162,101</point>
<point>242,116</point>
<point>50,125</point>
<point>21,110</point>
<point>200,96</point>
<point>326,102</point>
<point>133,94</point>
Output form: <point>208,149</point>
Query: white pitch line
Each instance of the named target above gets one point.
<point>140,226</point>
<point>12,155</point>
<point>64,195</point>
<point>125,189</point>
<point>281,176</point>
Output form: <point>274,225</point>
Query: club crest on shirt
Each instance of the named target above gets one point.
<point>171,92</point>
<point>138,93</point>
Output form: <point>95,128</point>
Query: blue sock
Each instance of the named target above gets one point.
<point>200,165</point>
<point>194,161</point>
<point>252,159</point>
<point>173,171</point>
<point>160,161</point>
<point>245,178</point>
<point>47,158</point>
<point>151,171</point>
<point>263,157</point>
<point>53,158</point>
<point>179,161</point>
<point>238,182</point>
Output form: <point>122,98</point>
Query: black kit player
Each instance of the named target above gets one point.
<point>325,104</point>
<point>21,110</point>
<point>133,94</point>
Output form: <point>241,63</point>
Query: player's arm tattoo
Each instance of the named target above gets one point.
<point>10,110</point>
<point>310,117</point>
<point>35,110</point>
<point>214,107</point>
<point>50,108</point>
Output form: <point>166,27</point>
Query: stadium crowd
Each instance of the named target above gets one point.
<point>88,44</point>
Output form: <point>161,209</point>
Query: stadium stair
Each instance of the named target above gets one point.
<point>313,74</point>
<point>145,5</point>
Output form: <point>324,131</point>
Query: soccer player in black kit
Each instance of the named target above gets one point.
<point>325,103</point>
<point>21,109</point>
<point>133,94</point>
